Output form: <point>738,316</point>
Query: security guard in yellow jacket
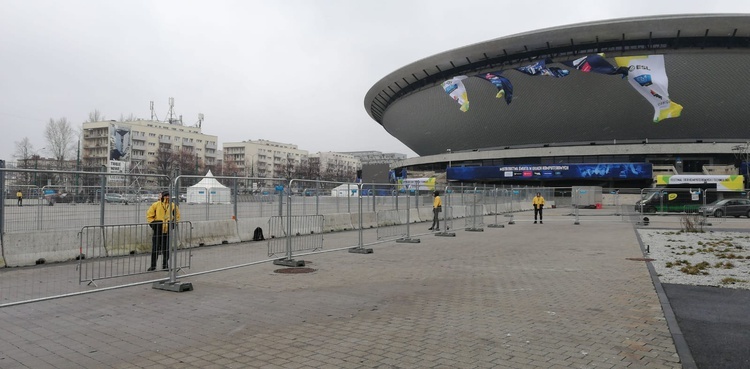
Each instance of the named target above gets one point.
<point>538,202</point>
<point>160,216</point>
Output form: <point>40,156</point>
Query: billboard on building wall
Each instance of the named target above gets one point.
<point>119,143</point>
<point>554,171</point>
<point>119,151</point>
<point>723,182</point>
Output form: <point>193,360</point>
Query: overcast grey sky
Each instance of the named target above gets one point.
<point>288,71</point>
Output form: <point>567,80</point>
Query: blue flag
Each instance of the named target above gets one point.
<point>540,68</point>
<point>504,87</point>
<point>597,64</point>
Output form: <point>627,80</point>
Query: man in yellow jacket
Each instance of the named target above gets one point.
<point>161,215</point>
<point>538,202</point>
<point>437,207</point>
<point>19,196</point>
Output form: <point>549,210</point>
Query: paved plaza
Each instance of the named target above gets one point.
<point>555,295</point>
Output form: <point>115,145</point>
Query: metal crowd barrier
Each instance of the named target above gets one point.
<point>294,234</point>
<point>112,251</point>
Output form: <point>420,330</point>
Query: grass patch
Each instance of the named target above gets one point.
<point>731,280</point>
<point>696,269</point>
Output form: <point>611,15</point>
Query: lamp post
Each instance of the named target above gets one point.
<point>449,157</point>
<point>252,171</point>
<point>36,163</point>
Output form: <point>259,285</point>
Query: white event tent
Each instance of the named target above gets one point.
<point>210,191</point>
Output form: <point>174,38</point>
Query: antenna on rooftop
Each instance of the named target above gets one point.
<point>153,113</point>
<point>171,115</point>
<point>200,119</point>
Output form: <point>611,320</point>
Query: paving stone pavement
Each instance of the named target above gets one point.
<point>555,295</point>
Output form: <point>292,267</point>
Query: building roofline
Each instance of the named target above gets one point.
<point>625,36</point>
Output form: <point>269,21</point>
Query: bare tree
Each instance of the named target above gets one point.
<point>164,160</point>
<point>96,116</point>
<point>229,168</point>
<point>129,118</point>
<point>24,152</point>
<point>60,139</point>
<point>289,167</point>
<point>189,164</point>
<point>308,168</point>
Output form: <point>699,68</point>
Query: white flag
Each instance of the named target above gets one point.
<point>649,77</point>
<point>455,88</point>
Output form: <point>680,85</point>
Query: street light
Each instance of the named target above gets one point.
<point>36,162</point>
<point>449,157</point>
<point>252,170</point>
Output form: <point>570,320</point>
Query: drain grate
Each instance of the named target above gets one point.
<point>640,259</point>
<point>294,270</point>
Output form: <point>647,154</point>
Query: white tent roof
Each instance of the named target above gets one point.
<point>209,182</point>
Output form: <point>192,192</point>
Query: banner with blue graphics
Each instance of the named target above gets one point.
<point>540,68</point>
<point>597,64</point>
<point>504,87</point>
<point>648,76</point>
<point>456,90</point>
<point>552,172</point>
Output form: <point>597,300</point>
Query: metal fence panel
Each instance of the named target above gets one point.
<point>113,251</point>
<point>389,225</point>
<point>297,233</point>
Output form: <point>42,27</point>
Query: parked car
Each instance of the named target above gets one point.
<point>116,198</point>
<point>727,207</point>
<point>149,197</point>
<point>674,200</point>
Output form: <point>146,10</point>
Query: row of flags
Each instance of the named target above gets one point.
<point>646,74</point>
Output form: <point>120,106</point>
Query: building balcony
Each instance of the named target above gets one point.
<point>94,135</point>
<point>139,138</point>
<point>138,156</point>
<point>210,145</point>
<point>165,140</point>
<point>210,154</point>
<point>188,143</point>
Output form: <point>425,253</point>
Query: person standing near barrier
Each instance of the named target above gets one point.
<point>437,207</point>
<point>159,215</point>
<point>19,195</point>
<point>538,203</point>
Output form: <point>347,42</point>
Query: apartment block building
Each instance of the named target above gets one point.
<point>140,143</point>
<point>336,163</point>
<point>263,158</point>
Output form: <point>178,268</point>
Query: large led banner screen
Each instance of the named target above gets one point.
<point>553,171</point>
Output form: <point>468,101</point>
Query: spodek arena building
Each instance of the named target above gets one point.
<point>610,103</point>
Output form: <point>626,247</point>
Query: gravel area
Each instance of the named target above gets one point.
<point>727,255</point>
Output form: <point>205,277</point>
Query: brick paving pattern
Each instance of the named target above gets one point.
<point>524,296</point>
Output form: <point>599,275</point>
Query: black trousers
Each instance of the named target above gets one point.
<point>160,245</point>
<point>435,218</point>
<point>538,210</point>
<point>20,201</point>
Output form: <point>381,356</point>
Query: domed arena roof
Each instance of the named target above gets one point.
<point>705,60</point>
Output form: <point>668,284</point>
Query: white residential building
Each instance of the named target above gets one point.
<point>139,142</point>
<point>263,158</point>
<point>337,164</point>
